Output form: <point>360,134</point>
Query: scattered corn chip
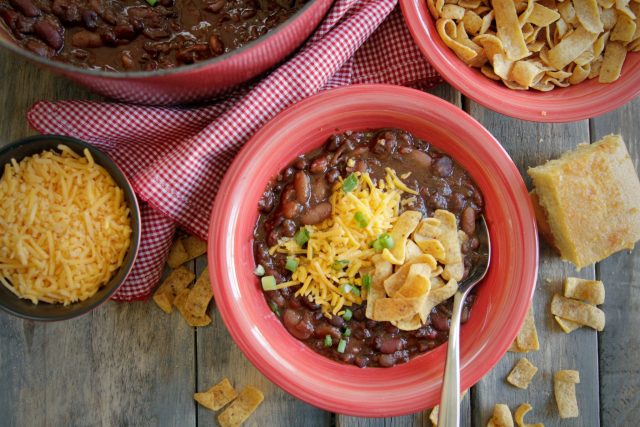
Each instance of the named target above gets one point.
<point>217,396</point>
<point>564,388</point>
<point>194,246</point>
<point>579,312</point>
<point>241,408</point>
<point>522,374</point>
<point>527,338</point>
<point>177,254</point>
<point>521,411</point>
<point>181,304</point>
<point>591,291</point>
<point>567,326</point>
<point>200,295</point>
<point>175,282</point>
<point>501,416</point>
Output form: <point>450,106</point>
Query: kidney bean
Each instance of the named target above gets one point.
<point>26,7</point>
<point>468,220</point>
<point>439,321</point>
<point>24,25</point>
<point>391,345</point>
<point>302,185</point>
<point>335,141</point>
<point>85,39</point>
<point>191,53</point>
<point>421,158</point>
<point>297,324</point>
<point>316,214</point>
<point>405,149</point>
<point>39,48</point>
<point>124,32</point>
<point>310,304</point>
<point>332,175</point>
<point>324,330</point>
<point>10,17</point>
<point>216,45</point>
<point>215,6</point>
<point>443,167</point>
<point>424,345</point>
<point>456,202</point>
<point>291,209</point>
<point>361,166</point>
<point>49,32</point>
<point>318,165</point>
<point>319,190</point>
<point>437,201</point>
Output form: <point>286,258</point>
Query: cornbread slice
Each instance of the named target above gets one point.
<point>591,200</point>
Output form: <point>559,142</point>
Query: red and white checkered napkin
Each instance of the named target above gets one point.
<point>176,157</point>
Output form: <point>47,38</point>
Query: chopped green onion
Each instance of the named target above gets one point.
<point>292,264</point>
<point>377,245</point>
<point>350,183</point>
<point>259,271</point>
<point>345,288</point>
<point>152,2</point>
<point>346,332</point>
<point>366,281</point>
<point>355,291</point>
<point>347,315</point>
<point>339,264</point>
<point>268,283</point>
<point>360,219</point>
<point>274,307</point>
<point>302,236</point>
<point>341,346</point>
<point>386,241</point>
<point>328,342</point>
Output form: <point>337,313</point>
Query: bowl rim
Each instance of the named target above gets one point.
<point>243,51</point>
<point>135,215</point>
<point>219,262</point>
<point>414,13</point>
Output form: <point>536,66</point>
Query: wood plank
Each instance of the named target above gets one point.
<point>21,85</point>
<point>120,363</point>
<point>619,347</point>
<point>218,357</point>
<point>531,144</point>
<point>451,95</point>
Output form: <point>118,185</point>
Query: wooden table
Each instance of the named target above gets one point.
<point>131,364</point>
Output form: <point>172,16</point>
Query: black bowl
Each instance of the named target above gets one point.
<point>51,312</point>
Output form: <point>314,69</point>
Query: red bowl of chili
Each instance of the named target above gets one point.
<point>502,300</point>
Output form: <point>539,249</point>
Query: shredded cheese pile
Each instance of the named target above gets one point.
<point>343,240</point>
<point>64,227</point>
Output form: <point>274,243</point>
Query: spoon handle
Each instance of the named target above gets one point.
<point>449,413</point>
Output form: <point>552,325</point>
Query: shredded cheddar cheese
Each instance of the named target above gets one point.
<point>339,249</point>
<point>64,227</point>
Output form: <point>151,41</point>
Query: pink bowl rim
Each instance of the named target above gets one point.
<point>510,102</point>
<point>240,329</point>
<point>263,42</point>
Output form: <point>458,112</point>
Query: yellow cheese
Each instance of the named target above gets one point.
<point>338,250</point>
<point>64,227</point>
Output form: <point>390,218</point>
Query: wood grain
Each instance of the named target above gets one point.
<point>530,144</point>
<point>620,342</point>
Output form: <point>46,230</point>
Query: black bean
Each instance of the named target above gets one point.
<point>387,360</point>
<point>311,305</point>
<point>443,167</point>
<point>248,13</point>
<point>316,214</point>
<point>361,361</point>
<point>437,201</point>
<point>335,141</point>
<point>332,175</point>
<point>337,321</point>
<point>49,32</point>
<point>439,321</point>
<point>288,228</point>
<point>90,19</point>
<point>265,204</point>
<point>456,202</point>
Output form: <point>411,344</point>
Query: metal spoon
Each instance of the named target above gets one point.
<point>449,414</point>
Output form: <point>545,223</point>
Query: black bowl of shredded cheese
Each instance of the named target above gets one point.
<point>69,228</point>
